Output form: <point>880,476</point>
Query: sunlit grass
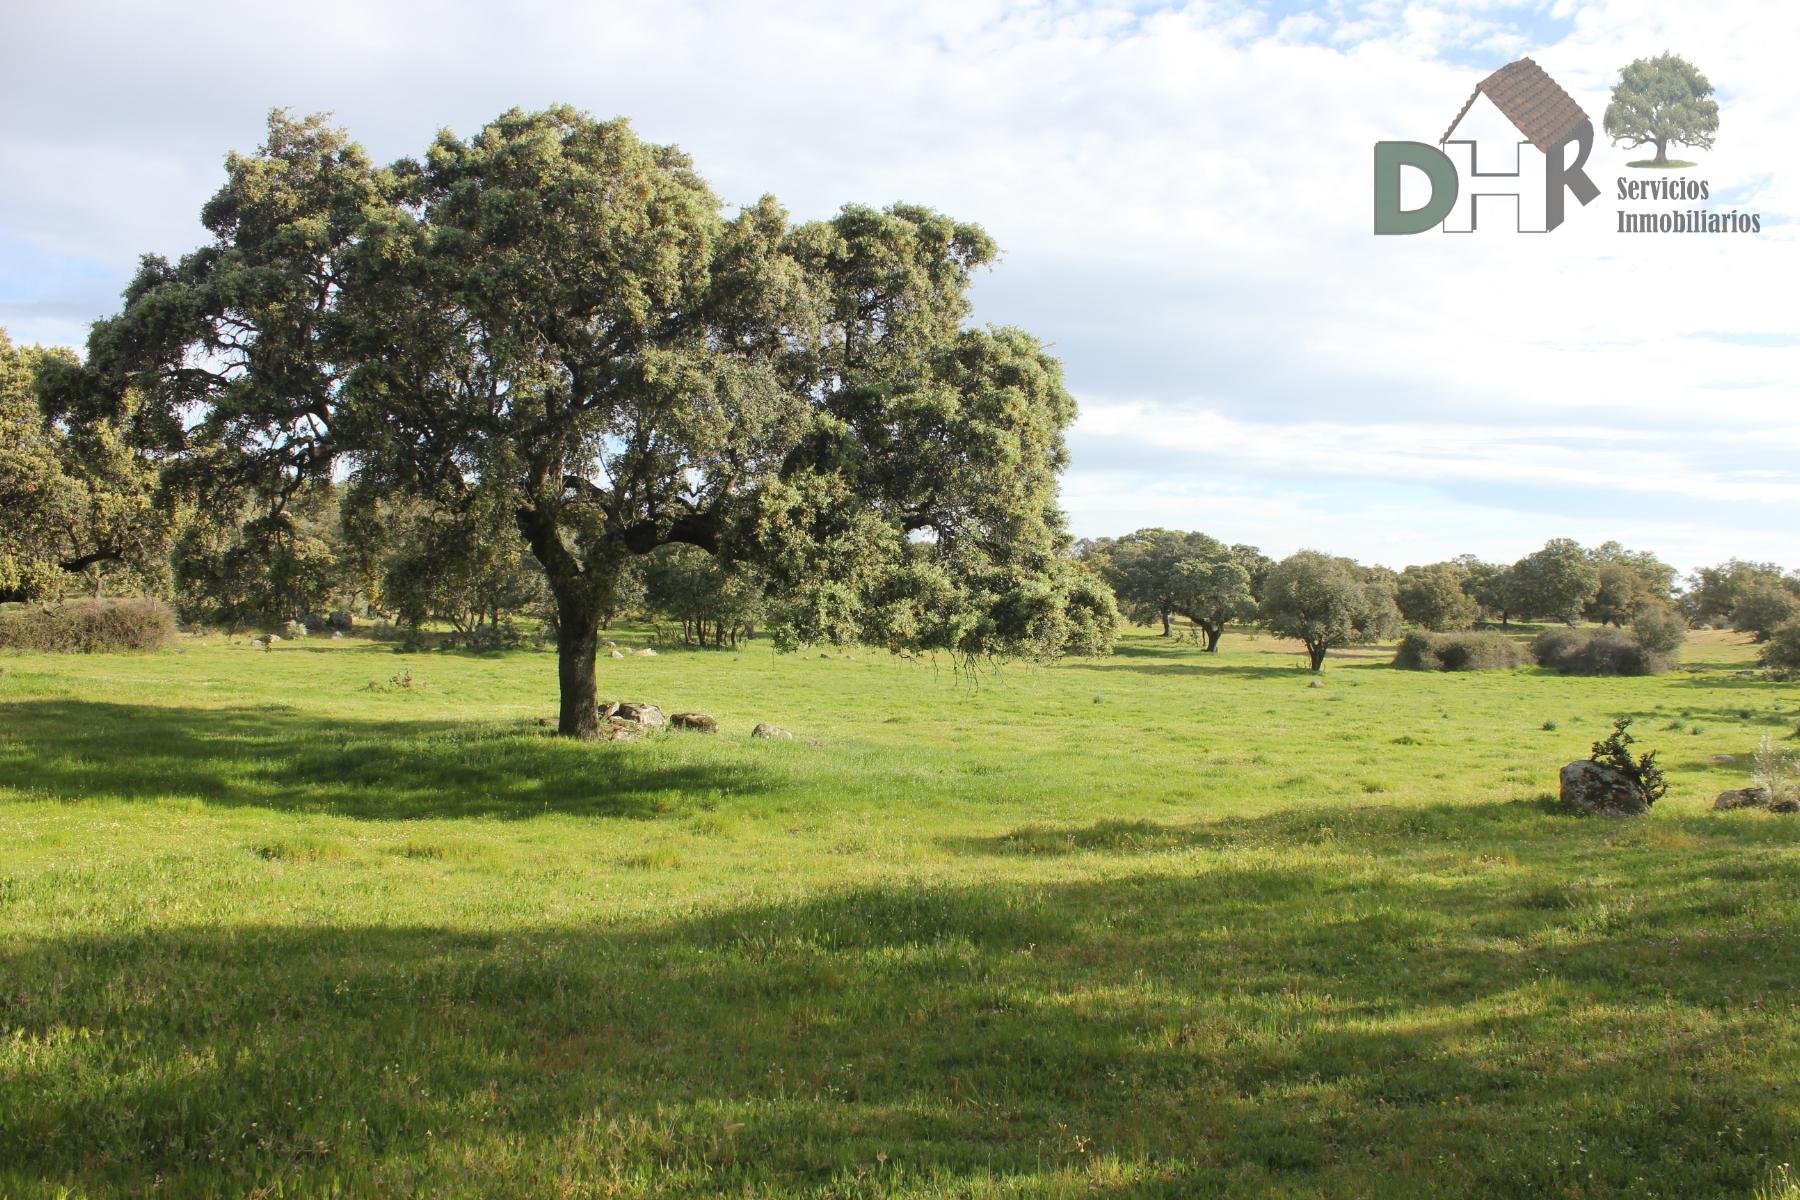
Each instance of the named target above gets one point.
<point>1164,924</point>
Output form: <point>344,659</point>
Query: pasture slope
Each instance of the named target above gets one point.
<point>1166,924</point>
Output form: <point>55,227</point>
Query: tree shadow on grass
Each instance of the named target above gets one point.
<point>277,758</point>
<point>1251,1030</point>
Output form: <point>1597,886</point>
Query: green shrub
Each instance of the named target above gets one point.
<point>1660,630</point>
<point>1420,651</point>
<point>1598,652</point>
<point>1781,653</point>
<point>1615,751</point>
<point>88,627</point>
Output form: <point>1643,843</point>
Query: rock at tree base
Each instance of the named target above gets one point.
<point>616,654</point>
<point>1594,788</point>
<point>643,716</point>
<point>1750,797</point>
<point>341,620</point>
<point>698,722</point>
<point>766,730</point>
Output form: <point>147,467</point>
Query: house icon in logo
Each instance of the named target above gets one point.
<point>1518,107</point>
<point>1519,141</point>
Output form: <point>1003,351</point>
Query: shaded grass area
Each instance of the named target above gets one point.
<point>1088,930</point>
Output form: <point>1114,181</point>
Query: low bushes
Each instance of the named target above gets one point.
<point>90,627</point>
<point>1421,651</point>
<point>1781,653</point>
<point>1598,652</point>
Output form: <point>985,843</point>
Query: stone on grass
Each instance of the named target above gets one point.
<point>645,652</point>
<point>1750,797</point>
<point>766,730</point>
<point>1592,788</point>
<point>698,722</point>
<point>341,620</point>
<point>647,715</point>
<point>616,654</point>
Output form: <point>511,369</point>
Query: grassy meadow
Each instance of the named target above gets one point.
<point>331,920</point>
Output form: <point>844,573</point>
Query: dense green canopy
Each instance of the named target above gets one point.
<point>76,500</point>
<point>557,320</point>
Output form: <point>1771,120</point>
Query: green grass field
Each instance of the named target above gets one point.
<point>1171,924</point>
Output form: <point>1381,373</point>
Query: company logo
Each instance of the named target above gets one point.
<point>1521,137</point>
<point>1520,142</point>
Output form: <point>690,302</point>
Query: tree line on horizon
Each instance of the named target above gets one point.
<point>543,371</point>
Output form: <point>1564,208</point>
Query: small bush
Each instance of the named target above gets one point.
<point>89,627</point>
<point>1420,651</point>
<point>1660,630</point>
<point>1781,653</point>
<point>1615,751</point>
<point>1597,652</point>
<point>1777,772</point>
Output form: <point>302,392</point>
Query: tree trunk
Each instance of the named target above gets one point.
<point>1168,629</point>
<point>1662,151</point>
<point>1317,655</point>
<point>1213,634</point>
<point>577,641</point>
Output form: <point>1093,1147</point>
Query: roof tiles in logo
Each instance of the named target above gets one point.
<point>1532,101</point>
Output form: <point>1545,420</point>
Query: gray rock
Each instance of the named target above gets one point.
<point>766,730</point>
<point>647,715</point>
<point>616,654</point>
<point>341,620</point>
<point>626,712</point>
<point>1592,788</point>
<point>645,652</point>
<point>1750,797</point>
<point>698,722</point>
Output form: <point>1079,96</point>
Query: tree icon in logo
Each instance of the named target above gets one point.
<point>1661,100</point>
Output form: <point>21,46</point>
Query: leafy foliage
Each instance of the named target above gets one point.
<point>1764,606</point>
<point>78,498</point>
<point>554,320</point>
<point>1597,652</point>
<point>1781,653</point>
<point>1159,574</point>
<point>1556,582</point>
<point>1487,651</point>
<point>1324,602</point>
<point>1614,751</point>
<point>1434,597</point>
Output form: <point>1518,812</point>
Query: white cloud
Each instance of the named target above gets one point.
<point>1183,196</point>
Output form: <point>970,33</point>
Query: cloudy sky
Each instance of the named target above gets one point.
<point>1182,194</point>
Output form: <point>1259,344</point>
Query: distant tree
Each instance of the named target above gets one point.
<point>1212,589</point>
<point>256,568</point>
<point>1556,582</point>
<point>564,318</point>
<point>1712,593</point>
<point>1627,582</point>
<point>1762,607</point>
<point>1781,653</point>
<point>1325,602</point>
<point>713,603</point>
<point>1659,628</point>
<point>1661,100</point>
<point>1490,585</point>
<point>1256,564</point>
<point>1434,597</point>
<point>466,567</point>
<point>1142,570</point>
<point>1619,594</point>
<point>76,500</point>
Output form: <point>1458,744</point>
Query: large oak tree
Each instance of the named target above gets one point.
<point>560,320</point>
